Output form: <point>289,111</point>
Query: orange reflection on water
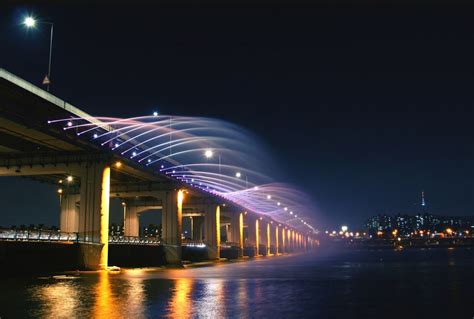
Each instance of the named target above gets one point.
<point>104,303</point>
<point>180,303</point>
<point>60,299</point>
<point>134,302</point>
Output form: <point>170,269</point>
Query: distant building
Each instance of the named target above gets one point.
<point>379,223</point>
<point>152,231</point>
<point>406,224</point>
<point>116,230</point>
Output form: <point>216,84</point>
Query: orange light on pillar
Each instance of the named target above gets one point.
<point>241,231</point>
<point>104,218</point>
<point>268,239</point>
<point>277,246</point>
<point>256,237</point>
<point>283,240</point>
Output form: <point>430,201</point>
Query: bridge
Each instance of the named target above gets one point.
<point>149,163</point>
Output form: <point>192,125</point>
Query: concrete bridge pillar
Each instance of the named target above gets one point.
<point>253,234</point>
<point>94,214</point>
<point>268,239</point>
<point>295,240</point>
<point>69,218</point>
<point>262,236</point>
<point>131,223</point>
<point>172,214</point>
<point>197,231</point>
<point>283,240</point>
<point>292,240</point>
<point>277,240</point>
<point>212,232</point>
<point>237,231</point>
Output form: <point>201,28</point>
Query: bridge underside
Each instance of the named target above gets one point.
<point>87,177</point>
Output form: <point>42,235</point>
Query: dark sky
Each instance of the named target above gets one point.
<point>363,107</point>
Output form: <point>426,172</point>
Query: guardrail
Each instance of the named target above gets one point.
<point>228,245</point>
<point>57,236</point>
<point>36,235</point>
<point>133,240</point>
<point>193,243</point>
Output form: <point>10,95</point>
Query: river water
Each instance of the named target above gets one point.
<point>413,283</point>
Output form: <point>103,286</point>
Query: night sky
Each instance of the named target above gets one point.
<point>362,107</point>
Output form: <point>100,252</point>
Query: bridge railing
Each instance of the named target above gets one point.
<point>36,235</point>
<point>134,240</point>
<point>228,245</point>
<point>193,243</point>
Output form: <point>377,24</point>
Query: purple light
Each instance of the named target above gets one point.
<point>180,142</point>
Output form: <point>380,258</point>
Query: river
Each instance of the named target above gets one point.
<point>412,283</point>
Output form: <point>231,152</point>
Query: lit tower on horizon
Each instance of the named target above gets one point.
<point>423,204</point>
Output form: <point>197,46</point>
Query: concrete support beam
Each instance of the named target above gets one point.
<point>283,240</point>
<point>172,225</point>
<point>69,217</point>
<point>237,231</point>
<point>94,213</point>
<point>277,240</point>
<point>268,239</point>
<point>197,228</point>
<point>262,237</point>
<point>252,230</point>
<point>212,231</point>
<point>132,223</point>
<point>290,242</point>
<point>257,237</point>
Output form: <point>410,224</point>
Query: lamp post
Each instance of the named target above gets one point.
<point>31,22</point>
<point>209,154</point>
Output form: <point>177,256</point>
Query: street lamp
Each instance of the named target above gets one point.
<point>209,154</point>
<point>30,22</point>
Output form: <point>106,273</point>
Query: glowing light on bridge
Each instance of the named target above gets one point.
<point>185,148</point>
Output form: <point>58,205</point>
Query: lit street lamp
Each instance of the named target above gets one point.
<point>30,22</point>
<point>209,154</point>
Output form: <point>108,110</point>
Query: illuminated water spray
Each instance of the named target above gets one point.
<point>212,155</point>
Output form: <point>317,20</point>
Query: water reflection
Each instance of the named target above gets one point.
<point>58,299</point>
<point>135,298</point>
<point>212,303</point>
<point>180,303</point>
<point>293,287</point>
<point>104,303</point>
<point>243,299</point>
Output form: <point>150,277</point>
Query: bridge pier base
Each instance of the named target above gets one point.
<point>283,240</point>
<point>274,234</point>
<point>237,231</point>
<point>212,231</point>
<point>94,214</point>
<point>197,233</point>
<point>253,235</point>
<point>131,222</point>
<point>69,218</point>
<point>172,216</point>
<point>268,240</point>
